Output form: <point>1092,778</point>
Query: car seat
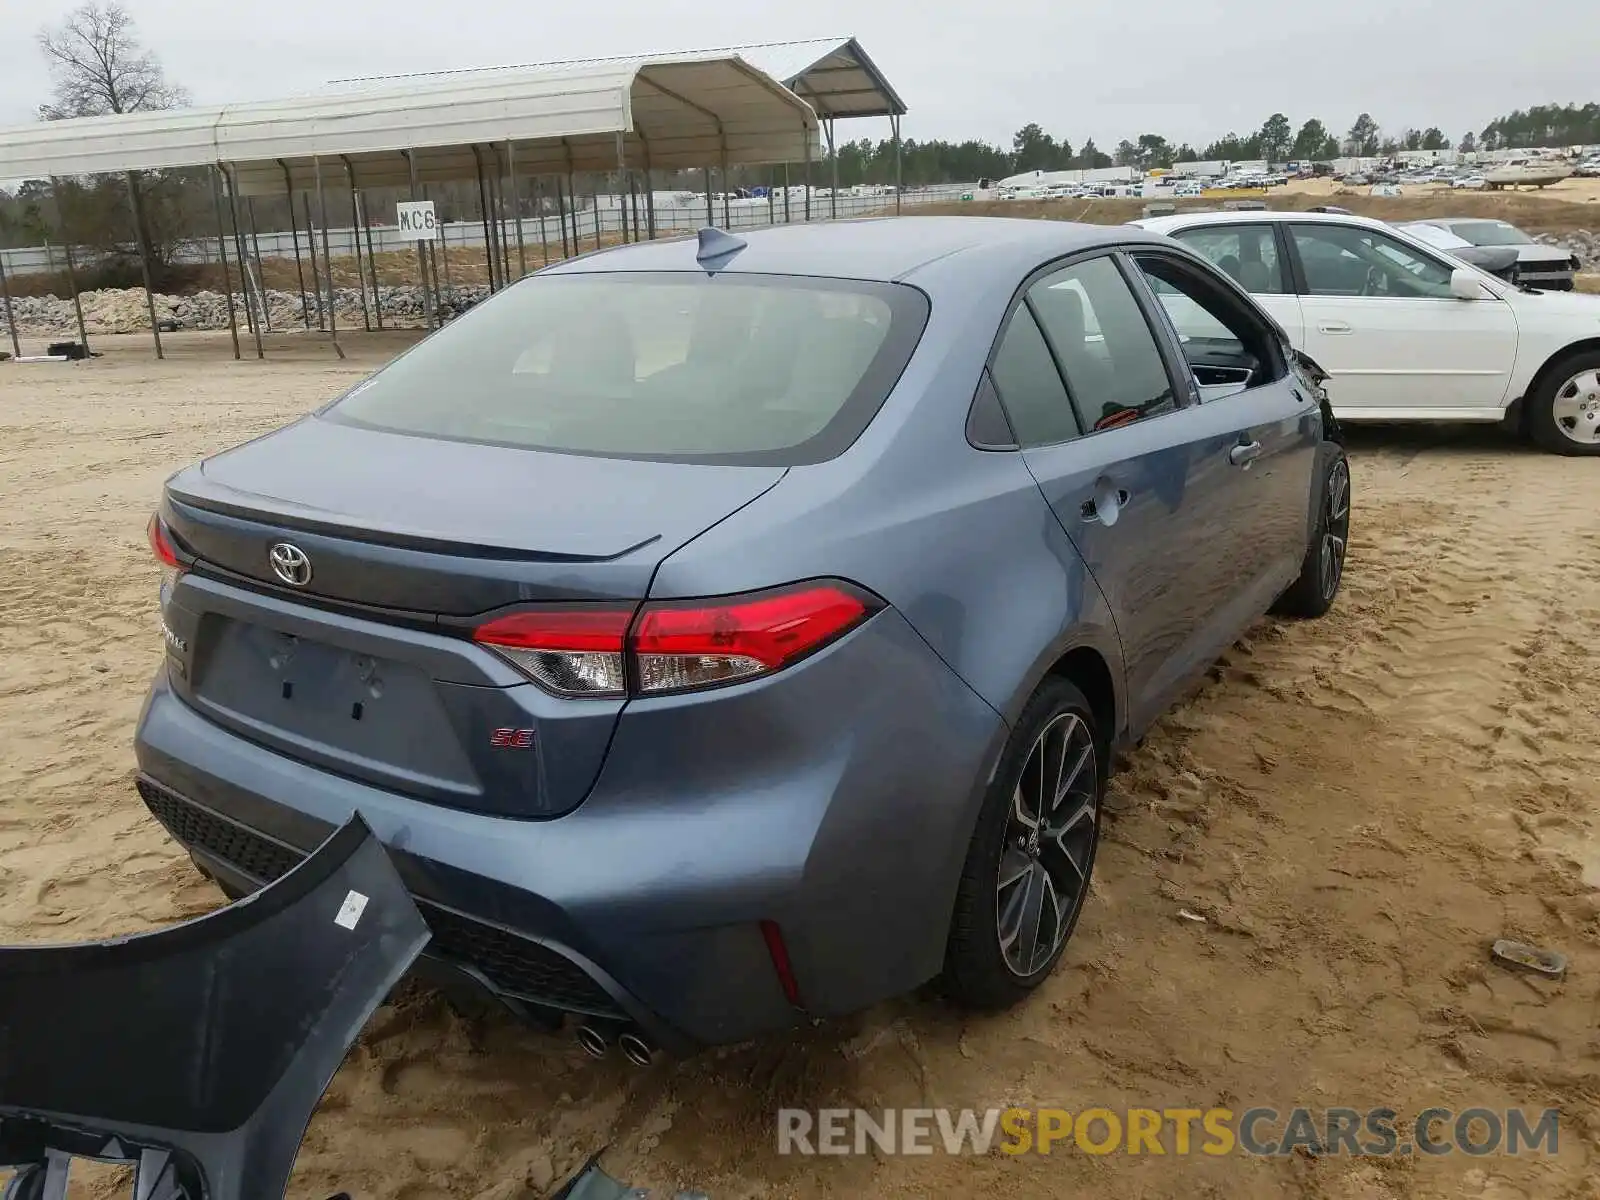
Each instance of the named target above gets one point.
<point>1254,276</point>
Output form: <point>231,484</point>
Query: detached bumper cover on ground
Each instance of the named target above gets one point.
<point>198,1053</point>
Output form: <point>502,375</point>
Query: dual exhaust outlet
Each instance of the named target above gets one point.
<point>635,1047</point>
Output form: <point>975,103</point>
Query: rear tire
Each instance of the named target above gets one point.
<point>1028,868</point>
<point>1322,569</point>
<point>1564,410</point>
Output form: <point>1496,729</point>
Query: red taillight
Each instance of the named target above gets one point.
<point>571,651</point>
<point>161,544</point>
<point>677,645</point>
<point>699,643</point>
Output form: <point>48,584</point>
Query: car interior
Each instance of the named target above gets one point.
<point>1113,369</point>
<point>1228,350</point>
<point>1247,254</point>
<point>1344,261</point>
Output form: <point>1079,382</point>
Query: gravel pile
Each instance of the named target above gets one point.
<point>125,311</point>
<point>1581,242</point>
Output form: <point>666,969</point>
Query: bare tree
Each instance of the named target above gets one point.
<point>98,68</point>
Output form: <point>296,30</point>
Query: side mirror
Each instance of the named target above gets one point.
<point>1464,285</point>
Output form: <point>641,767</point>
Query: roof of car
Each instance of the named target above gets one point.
<point>1230,216</point>
<point>879,248</point>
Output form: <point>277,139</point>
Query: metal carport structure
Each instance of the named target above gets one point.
<point>651,112</point>
<point>838,79</point>
<point>835,76</point>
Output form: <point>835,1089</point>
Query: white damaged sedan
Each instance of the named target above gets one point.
<point>1406,331</point>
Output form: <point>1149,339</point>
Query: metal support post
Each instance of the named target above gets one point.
<point>327,258</point>
<point>143,242</point>
<point>294,235</point>
<point>222,258</point>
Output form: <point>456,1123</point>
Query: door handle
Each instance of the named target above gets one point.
<point>1106,508</point>
<point>1244,454</point>
<point>1334,327</point>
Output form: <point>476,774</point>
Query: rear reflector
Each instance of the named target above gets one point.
<point>678,645</point>
<point>779,954</point>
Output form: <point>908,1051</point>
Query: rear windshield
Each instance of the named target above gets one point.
<point>1491,233</point>
<point>757,369</point>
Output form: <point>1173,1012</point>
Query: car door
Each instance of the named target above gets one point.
<point>1136,474</point>
<point>1238,361</point>
<point>1380,318</point>
<point>1251,255</point>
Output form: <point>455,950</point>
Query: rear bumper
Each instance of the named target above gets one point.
<point>836,800</point>
<point>512,968</point>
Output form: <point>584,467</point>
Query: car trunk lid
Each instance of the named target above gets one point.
<point>365,667</point>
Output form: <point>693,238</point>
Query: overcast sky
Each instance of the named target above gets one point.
<point>1189,69</point>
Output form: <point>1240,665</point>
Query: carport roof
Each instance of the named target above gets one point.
<point>835,75</point>
<point>670,110</point>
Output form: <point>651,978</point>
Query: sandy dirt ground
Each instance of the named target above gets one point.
<point>1356,807</point>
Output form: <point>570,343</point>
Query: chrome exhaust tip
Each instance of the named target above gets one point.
<point>592,1040</point>
<point>636,1049</point>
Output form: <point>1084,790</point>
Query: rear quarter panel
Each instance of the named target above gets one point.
<point>988,591</point>
<point>959,540</point>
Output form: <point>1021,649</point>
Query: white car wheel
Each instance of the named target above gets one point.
<point>1576,408</point>
<point>1564,412</point>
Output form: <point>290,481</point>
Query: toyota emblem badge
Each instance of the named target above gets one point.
<point>290,564</point>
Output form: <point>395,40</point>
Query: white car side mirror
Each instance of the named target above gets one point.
<point>1464,285</point>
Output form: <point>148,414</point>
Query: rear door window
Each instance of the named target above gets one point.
<point>1113,364</point>
<point>755,369</point>
<point>1246,253</point>
<point>1030,387</point>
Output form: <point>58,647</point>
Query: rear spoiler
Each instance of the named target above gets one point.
<point>197,1054</point>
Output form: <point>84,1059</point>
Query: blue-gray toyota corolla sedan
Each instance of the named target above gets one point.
<point>728,629</point>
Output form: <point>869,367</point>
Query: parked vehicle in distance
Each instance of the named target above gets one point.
<point>725,631</point>
<point>1538,265</point>
<point>1499,261</point>
<point>1406,331</point>
<point>1470,182</point>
